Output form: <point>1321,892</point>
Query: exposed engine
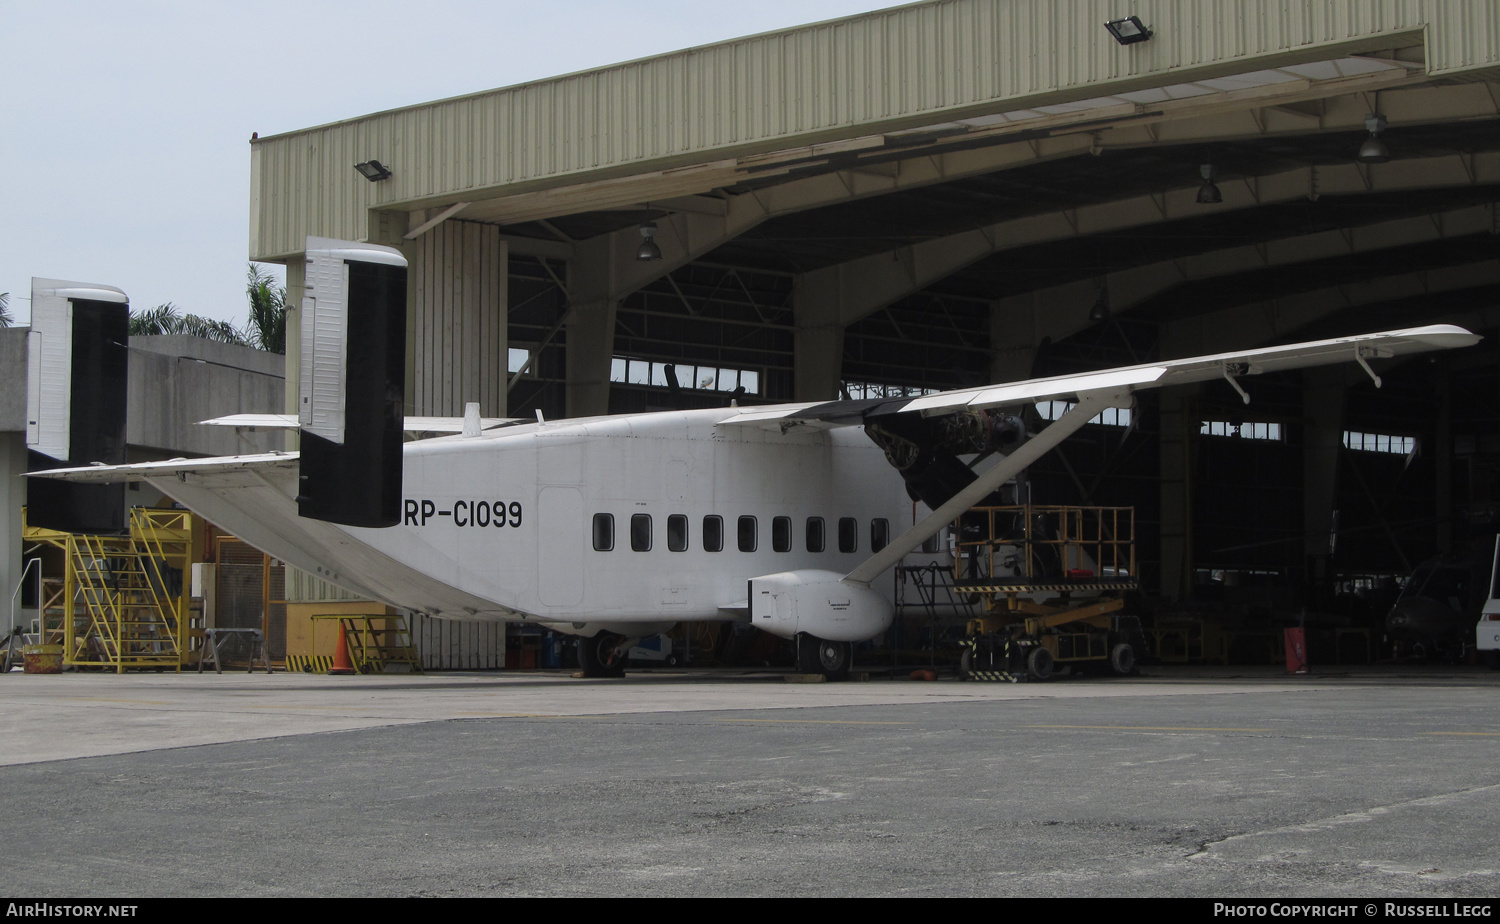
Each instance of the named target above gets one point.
<point>926,450</point>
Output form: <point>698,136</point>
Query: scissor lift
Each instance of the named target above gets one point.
<point>1052,582</point>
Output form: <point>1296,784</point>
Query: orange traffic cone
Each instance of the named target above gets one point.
<point>341,662</point>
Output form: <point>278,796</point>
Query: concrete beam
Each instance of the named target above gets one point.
<point>1248,326</point>
<point>1021,321</point>
<point>879,280</point>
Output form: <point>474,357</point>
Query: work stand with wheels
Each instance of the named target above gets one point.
<point>1052,582</point>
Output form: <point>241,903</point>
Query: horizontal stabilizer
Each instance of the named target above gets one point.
<point>111,474</point>
<point>412,425</point>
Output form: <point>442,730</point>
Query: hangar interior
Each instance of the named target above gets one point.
<point>958,192</point>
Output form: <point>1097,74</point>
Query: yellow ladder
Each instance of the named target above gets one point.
<point>374,649</point>
<point>124,595</point>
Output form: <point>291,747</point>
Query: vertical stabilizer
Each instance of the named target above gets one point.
<point>353,368</point>
<point>77,378</point>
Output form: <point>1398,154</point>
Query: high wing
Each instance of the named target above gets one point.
<point>1093,392</point>
<point>1120,382</point>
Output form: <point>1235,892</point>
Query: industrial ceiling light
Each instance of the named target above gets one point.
<point>1100,311</point>
<point>1129,30</point>
<point>1208,193</point>
<point>648,251</point>
<point>373,170</point>
<point>1374,151</point>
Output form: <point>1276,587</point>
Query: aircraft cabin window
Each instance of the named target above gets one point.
<point>677,533</point>
<point>713,534</point>
<point>640,532</point>
<point>747,534</point>
<point>604,532</point>
<point>880,533</point>
<point>815,538</point>
<point>781,534</point>
<point>848,534</point>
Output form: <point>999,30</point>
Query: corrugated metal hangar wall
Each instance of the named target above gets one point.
<point>962,191</point>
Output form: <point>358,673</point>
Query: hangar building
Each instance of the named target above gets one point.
<point>956,192</point>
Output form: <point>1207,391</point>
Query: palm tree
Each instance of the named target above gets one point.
<point>5,319</point>
<point>166,319</point>
<point>266,328</point>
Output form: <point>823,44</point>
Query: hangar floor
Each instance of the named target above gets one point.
<point>1195,782</point>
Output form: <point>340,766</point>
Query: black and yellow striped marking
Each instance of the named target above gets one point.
<point>309,664</point>
<point>992,676</point>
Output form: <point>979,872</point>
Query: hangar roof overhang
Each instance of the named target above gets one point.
<point>875,95</point>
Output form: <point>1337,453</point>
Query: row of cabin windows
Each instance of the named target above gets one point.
<point>747,533</point>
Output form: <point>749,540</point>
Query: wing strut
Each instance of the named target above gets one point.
<point>1089,405</point>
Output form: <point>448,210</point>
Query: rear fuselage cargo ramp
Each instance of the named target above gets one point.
<point>789,517</point>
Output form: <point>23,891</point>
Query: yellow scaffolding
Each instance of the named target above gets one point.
<point>123,601</point>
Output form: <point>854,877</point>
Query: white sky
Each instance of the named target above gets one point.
<point>125,126</point>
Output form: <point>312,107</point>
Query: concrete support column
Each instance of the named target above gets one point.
<point>818,363</point>
<point>1013,340</point>
<point>1323,394</point>
<point>1443,464</point>
<point>296,287</point>
<point>1179,434</point>
<point>591,347</point>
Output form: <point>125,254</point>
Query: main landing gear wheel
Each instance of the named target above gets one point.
<point>597,656</point>
<point>820,656</point>
<point>1122,659</point>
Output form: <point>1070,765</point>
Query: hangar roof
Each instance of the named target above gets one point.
<point>928,173</point>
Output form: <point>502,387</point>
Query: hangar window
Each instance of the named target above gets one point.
<point>519,358</point>
<point>857,391</point>
<point>1249,430</point>
<point>1380,442</point>
<point>713,534</point>
<point>1109,417</point>
<point>781,534</point>
<point>848,534</point>
<point>604,532</point>
<point>880,533</point>
<point>640,532</point>
<point>629,370</point>
<point>677,533</point>
<point>747,534</point>
<point>816,541</point>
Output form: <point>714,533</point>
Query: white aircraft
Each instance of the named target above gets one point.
<point>789,516</point>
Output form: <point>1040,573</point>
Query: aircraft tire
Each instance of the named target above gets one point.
<point>1122,659</point>
<point>819,656</point>
<point>597,656</point>
<point>1039,664</point>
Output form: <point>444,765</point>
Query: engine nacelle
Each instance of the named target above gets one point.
<point>818,603</point>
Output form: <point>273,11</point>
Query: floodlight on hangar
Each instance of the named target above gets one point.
<point>648,252</point>
<point>1208,193</point>
<point>373,170</point>
<point>1129,30</point>
<point>1374,151</point>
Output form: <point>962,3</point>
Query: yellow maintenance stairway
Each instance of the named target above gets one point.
<point>121,602</point>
